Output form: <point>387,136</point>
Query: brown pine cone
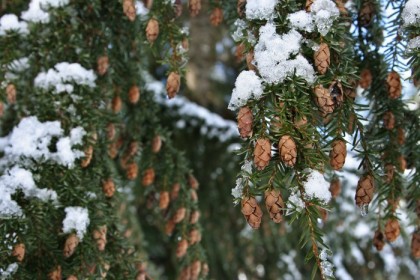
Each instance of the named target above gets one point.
<point>129,9</point>
<point>249,60</point>
<point>70,246</point>
<point>336,93</point>
<point>152,30</point>
<point>338,154</point>
<point>1,109</point>
<point>156,144</point>
<point>322,58</point>
<point>175,191</point>
<point>288,150</point>
<point>324,100</point>
<point>301,121</point>
<point>193,182</point>
<point>335,187</point>
<point>169,227</point>
<point>402,164</point>
<point>392,230</point>
<point>389,120</point>
<point>108,188</point>
<point>262,153</point>
<point>11,93</point>
<point>55,274</point>
<point>164,200</point>
<point>367,12</point>
<point>274,203</point>
<point>181,249</point>
<point>134,94</point>
<point>113,150</point>
<point>365,190</point>
<point>148,177</point>
<point>71,277</point>
<point>379,240</point>
<point>389,172</point>
<point>185,274</point>
<point>400,136</point>
<point>308,5</point>
<point>131,171</point>
<point>352,120</point>
<point>102,65</point>
<point>195,215</point>
<point>216,16</point>
<point>19,252</point>
<point>194,236</point>
<point>394,85</point>
<point>194,6</point>
<point>179,215</point>
<point>116,104</point>
<point>195,269</point>
<point>323,213</point>
<point>110,131</point>
<point>88,156</point>
<point>251,211</point>
<point>245,119</point>
<point>240,7</point>
<point>239,52</point>
<point>99,235</point>
<point>341,7</point>
<point>194,195</point>
<point>415,245</point>
<point>365,79</point>
<point>173,84</point>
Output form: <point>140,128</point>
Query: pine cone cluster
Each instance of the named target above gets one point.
<point>19,252</point>
<point>274,203</point>
<point>365,78</point>
<point>262,153</point>
<point>134,94</point>
<point>389,120</point>
<point>415,245</point>
<point>152,30</point>
<point>245,119</point>
<point>288,150</point>
<point>173,84</point>
<point>335,187</point>
<point>392,230</point>
<point>102,65</point>
<point>393,82</point>
<point>322,58</point>
<point>216,16</point>
<point>108,187</point>
<point>99,235</point>
<point>70,245</point>
<point>251,211</point>
<point>324,100</point>
<point>365,190</point>
<point>195,7</point>
<point>379,240</point>
<point>338,154</point>
<point>148,177</point>
<point>129,9</point>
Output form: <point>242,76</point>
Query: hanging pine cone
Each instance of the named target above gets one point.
<point>194,196</point>
<point>240,7</point>
<point>55,274</point>
<point>152,30</point>
<point>175,191</point>
<point>113,150</point>
<point>239,52</point>
<point>288,151</point>
<point>195,269</point>
<point>250,60</point>
<point>323,213</point>
<point>389,172</point>
<point>195,215</point>
<point>251,211</point>
<point>194,6</point>
<point>116,104</point>
<point>389,120</point>
<point>169,227</point>
<point>324,100</point>
<point>156,144</point>
<point>338,154</point>
<point>129,9</point>
<point>393,81</point>
<point>88,156</point>
<point>19,252</point>
<point>400,136</point>
<point>134,94</point>
<point>164,200</point>
<point>131,171</point>
<point>392,230</point>
<point>185,274</point>
<point>108,188</point>
<point>173,84</point>
<point>70,246</point>
<point>274,203</point>
<point>102,65</point>
<point>402,164</point>
<point>322,58</point>
<point>11,93</point>
<point>216,16</point>
<point>335,187</point>
<point>181,249</point>
<point>99,235</point>
<point>194,236</point>
<point>262,153</point>
<point>148,177</point>
<point>300,121</point>
<point>193,182</point>
<point>308,5</point>
<point>365,79</point>
<point>179,215</point>
<point>365,190</point>
<point>110,131</point>
<point>367,12</point>
<point>415,245</point>
<point>245,119</point>
<point>336,93</point>
<point>379,240</point>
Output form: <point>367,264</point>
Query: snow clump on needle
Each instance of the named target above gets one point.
<point>77,219</point>
<point>248,85</point>
<point>260,9</point>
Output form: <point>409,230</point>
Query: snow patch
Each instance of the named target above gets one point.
<point>77,219</point>
<point>316,187</point>
<point>260,9</point>
<point>10,23</point>
<point>411,13</point>
<point>248,85</point>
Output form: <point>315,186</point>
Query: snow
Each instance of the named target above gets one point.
<point>301,20</point>
<point>77,219</point>
<point>414,43</point>
<point>294,203</point>
<point>248,85</point>
<point>260,9</point>
<point>35,14</point>
<point>247,171</point>
<point>10,270</point>
<point>273,56</point>
<point>141,10</point>
<point>411,13</point>
<point>316,187</point>
<point>31,139</point>
<point>237,190</point>
<point>10,22</point>
<point>240,27</point>
<point>16,179</point>
<point>324,13</point>
<point>15,67</point>
<point>54,3</point>
<point>60,78</point>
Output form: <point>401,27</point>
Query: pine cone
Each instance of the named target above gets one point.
<point>156,144</point>
<point>274,203</point>
<point>110,131</point>
<point>113,150</point>
<point>245,119</point>
<point>179,215</point>
<point>389,120</point>
<point>262,153</point>
<point>129,9</point>
<point>336,93</point>
<point>11,93</point>
<point>134,94</point>
<point>322,58</point>
<point>240,7</point>
<point>181,249</point>
<point>324,100</point>
<point>394,85</point>
<point>402,164</point>
<point>169,227</point>
<point>194,236</point>
<point>335,187</point>
<point>301,121</point>
<point>216,16</point>
<point>195,215</point>
<point>352,120</point>
<point>288,151</point>
<point>338,154</point>
<point>194,6</point>
<point>205,269</point>
<point>152,30</point>
<point>108,188</point>
<point>185,274</point>
<point>116,104</point>
<point>99,235</point>
<point>175,191</point>
<point>195,269</point>
<point>239,52</point>
<point>19,252</point>
<point>131,171</point>
<point>415,245</point>
<point>102,65</point>
<point>193,182</point>
<point>164,200</point>
<point>308,5</point>
<point>341,7</point>
<point>400,136</point>
<point>367,12</point>
<point>365,79</point>
<point>379,240</point>
<point>365,190</point>
<point>55,274</point>
<point>249,61</point>
<point>323,213</point>
<point>392,230</point>
<point>178,8</point>
<point>70,246</point>
<point>148,177</point>
<point>173,84</point>
<point>389,172</point>
<point>194,196</point>
<point>252,212</point>
<point>88,156</point>
<point>1,109</point>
